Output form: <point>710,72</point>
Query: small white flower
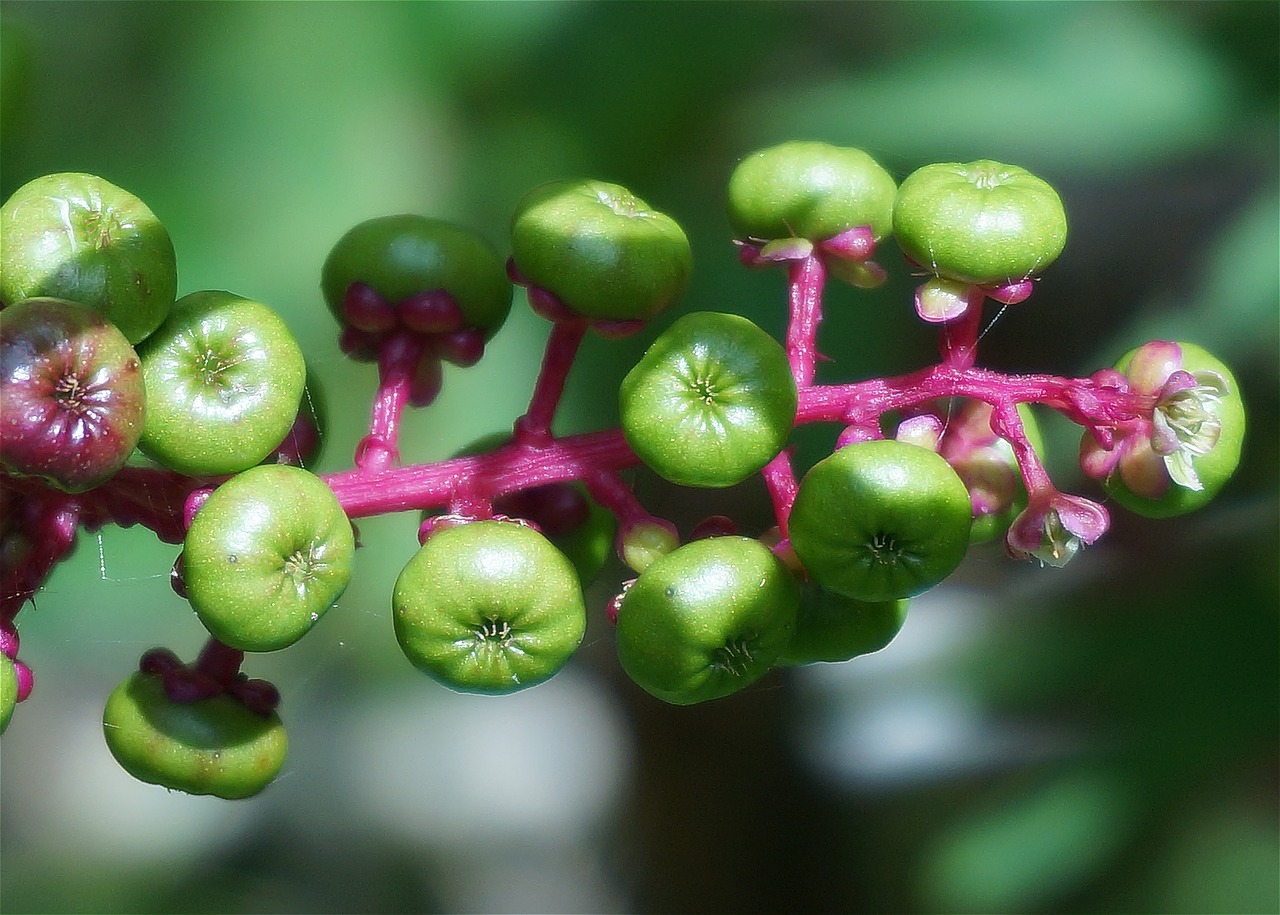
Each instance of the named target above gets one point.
<point>1186,424</point>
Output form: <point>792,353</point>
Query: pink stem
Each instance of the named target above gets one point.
<point>557,360</point>
<point>613,494</point>
<point>780,480</point>
<point>958,339</point>
<point>1082,400</point>
<point>398,358</point>
<point>805,278</point>
<point>426,486</point>
<point>1009,427</point>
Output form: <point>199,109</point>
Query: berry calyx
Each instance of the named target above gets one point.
<point>1181,458</point>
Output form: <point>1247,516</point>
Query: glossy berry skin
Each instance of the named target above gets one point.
<point>832,627</point>
<point>601,250</point>
<point>72,391</point>
<point>489,607</point>
<point>1214,468</point>
<point>224,379</point>
<point>266,556</point>
<point>75,236</point>
<point>982,223</point>
<point>881,520</point>
<point>213,746</point>
<point>711,401</point>
<point>811,190</point>
<point>403,256</point>
<point>8,691</point>
<point>706,620</point>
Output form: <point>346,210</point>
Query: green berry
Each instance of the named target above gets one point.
<point>982,223</point>
<point>881,520</point>
<point>1222,406</point>
<point>600,249</point>
<point>266,556</point>
<point>75,236</point>
<point>809,190</point>
<point>711,401</point>
<point>224,379</point>
<point>706,620</point>
<point>489,607</point>
<point>403,256</point>
<point>832,627</point>
<point>212,746</point>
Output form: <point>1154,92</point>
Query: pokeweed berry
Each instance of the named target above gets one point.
<point>710,402</point>
<point>266,556</point>
<point>1179,460</point>
<point>488,607</point>
<point>393,269</point>
<point>601,250</point>
<point>706,620</point>
<point>982,223</point>
<point>211,746</point>
<point>224,378</point>
<point>810,190</point>
<point>881,520</point>
<point>73,394</point>
<point>832,627</point>
<point>75,236</point>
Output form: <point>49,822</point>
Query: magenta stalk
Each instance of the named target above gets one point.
<point>805,278</point>
<point>398,359</point>
<point>557,360</point>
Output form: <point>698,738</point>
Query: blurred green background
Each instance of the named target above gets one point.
<point>1100,738</point>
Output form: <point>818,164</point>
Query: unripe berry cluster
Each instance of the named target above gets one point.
<point>196,418</point>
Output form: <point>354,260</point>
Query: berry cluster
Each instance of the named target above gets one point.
<point>193,418</point>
